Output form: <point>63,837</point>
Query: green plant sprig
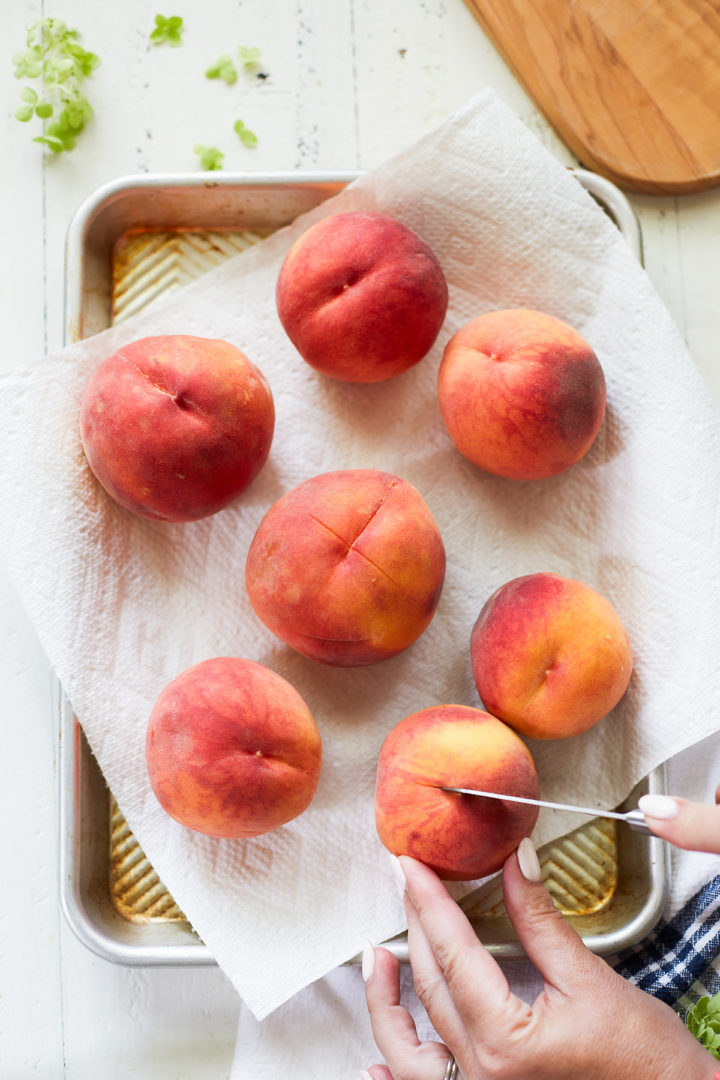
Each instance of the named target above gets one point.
<point>54,55</point>
<point>703,1021</point>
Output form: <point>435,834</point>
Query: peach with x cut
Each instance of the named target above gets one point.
<point>347,567</point>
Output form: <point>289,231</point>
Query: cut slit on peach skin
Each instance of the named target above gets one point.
<point>361,584</point>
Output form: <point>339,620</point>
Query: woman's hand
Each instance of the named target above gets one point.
<point>587,1022</point>
<point>690,825</point>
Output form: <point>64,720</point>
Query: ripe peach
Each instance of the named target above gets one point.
<point>521,393</point>
<point>361,296</point>
<point>460,836</point>
<point>348,567</point>
<point>176,427</point>
<point>550,655</point>
<point>232,749</point>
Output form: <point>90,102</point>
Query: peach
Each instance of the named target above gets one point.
<point>461,837</point>
<point>361,296</point>
<point>347,568</point>
<point>521,393</point>
<point>176,427</point>
<point>550,655</point>
<point>232,749</point>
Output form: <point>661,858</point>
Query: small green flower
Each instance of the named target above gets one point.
<point>224,69</point>
<point>168,29</point>
<point>210,157</point>
<point>248,137</point>
<point>249,57</point>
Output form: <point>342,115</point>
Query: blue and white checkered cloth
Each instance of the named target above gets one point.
<point>679,961</point>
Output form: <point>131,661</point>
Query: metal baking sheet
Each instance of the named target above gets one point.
<point>132,241</point>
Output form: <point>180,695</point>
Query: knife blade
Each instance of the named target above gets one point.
<point>634,818</point>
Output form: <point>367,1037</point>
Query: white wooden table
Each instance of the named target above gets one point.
<point>349,83</point>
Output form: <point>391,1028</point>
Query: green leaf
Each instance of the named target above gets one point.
<point>23,113</point>
<point>211,158</point>
<point>248,137</point>
<point>44,110</point>
<point>29,95</point>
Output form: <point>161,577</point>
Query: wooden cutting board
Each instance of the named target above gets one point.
<point>631,86</point>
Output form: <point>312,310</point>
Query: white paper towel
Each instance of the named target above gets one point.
<point>122,605</point>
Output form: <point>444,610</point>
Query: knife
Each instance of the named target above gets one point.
<point>634,818</point>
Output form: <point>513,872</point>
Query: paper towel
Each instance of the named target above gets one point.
<point>122,604</point>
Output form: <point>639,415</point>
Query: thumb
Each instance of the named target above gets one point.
<point>550,942</point>
<point>690,825</point>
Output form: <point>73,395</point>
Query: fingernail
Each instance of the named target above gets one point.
<point>663,807</point>
<point>528,861</point>
<point>399,876</point>
<point>364,1075</point>
<point>368,962</point>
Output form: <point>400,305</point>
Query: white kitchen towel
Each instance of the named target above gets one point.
<point>324,1032</point>
<point>122,604</point>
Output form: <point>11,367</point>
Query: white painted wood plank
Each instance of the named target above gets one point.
<point>30,989</point>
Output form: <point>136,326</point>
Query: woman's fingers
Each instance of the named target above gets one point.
<point>690,825</point>
<point>477,986</point>
<point>394,1028</point>
<point>430,983</point>
<point>549,940</point>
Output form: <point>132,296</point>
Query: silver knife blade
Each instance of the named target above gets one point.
<point>634,818</point>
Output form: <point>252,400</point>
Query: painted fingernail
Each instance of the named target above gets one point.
<point>368,962</point>
<point>399,876</point>
<point>663,807</point>
<point>528,861</point>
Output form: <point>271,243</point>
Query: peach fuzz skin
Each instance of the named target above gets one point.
<point>361,296</point>
<point>521,393</point>
<point>176,427</point>
<point>461,837</point>
<point>550,656</point>
<point>348,567</point>
<point>232,749</point>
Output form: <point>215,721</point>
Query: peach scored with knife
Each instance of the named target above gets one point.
<point>347,567</point>
<point>550,655</point>
<point>461,837</point>
<point>232,749</point>
<point>176,427</point>
<point>521,393</point>
<point>361,296</point>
